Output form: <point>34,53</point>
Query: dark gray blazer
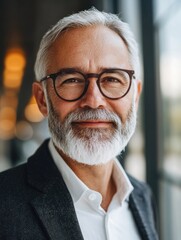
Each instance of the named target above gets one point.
<point>35,203</point>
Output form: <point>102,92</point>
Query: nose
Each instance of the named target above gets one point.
<point>93,97</point>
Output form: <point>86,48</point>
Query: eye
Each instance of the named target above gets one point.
<point>110,80</point>
<point>72,80</point>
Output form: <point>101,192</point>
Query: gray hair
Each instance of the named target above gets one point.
<point>86,18</point>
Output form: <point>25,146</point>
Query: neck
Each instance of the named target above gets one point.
<point>98,177</point>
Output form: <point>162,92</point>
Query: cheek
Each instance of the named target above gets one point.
<point>63,108</point>
<point>122,107</point>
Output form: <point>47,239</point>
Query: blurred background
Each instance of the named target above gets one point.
<point>154,153</point>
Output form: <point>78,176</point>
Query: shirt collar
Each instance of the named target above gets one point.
<point>77,188</point>
<point>123,184</point>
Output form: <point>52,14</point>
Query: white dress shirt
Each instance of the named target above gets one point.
<point>95,222</point>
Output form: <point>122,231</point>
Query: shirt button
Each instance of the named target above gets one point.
<point>92,197</point>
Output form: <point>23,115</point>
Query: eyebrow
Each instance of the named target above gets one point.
<point>79,69</point>
<point>71,69</point>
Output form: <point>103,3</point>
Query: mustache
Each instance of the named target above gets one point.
<point>92,114</point>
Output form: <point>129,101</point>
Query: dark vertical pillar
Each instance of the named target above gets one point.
<point>2,44</point>
<point>151,97</point>
<point>115,6</point>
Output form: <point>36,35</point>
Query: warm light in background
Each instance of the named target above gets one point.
<point>12,79</point>
<point>14,64</point>
<point>32,111</point>
<point>8,105</point>
<point>9,99</point>
<point>7,122</point>
<point>14,68</point>
<point>15,60</point>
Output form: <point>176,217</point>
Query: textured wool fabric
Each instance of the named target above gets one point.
<point>35,203</point>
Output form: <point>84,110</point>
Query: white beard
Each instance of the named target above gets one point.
<point>91,146</point>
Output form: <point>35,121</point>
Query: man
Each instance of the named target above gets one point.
<point>88,86</point>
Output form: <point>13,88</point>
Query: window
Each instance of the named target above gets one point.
<point>168,32</point>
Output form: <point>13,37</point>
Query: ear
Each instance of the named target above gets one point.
<point>138,92</point>
<point>39,95</point>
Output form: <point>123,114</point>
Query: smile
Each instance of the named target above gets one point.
<point>93,124</point>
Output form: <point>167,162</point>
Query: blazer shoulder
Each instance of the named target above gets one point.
<point>139,185</point>
<point>17,176</point>
<point>12,179</point>
<point>13,172</point>
<point>143,189</point>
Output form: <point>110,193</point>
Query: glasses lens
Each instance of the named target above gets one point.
<point>70,86</point>
<point>115,84</point>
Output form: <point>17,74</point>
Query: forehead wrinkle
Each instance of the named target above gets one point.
<point>85,71</point>
<point>88,51</point>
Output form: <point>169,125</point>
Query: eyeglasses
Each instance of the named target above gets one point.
<point>71,85</point>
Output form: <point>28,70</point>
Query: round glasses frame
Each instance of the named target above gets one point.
<point>53,76</point>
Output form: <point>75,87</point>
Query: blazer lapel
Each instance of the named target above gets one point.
<point>53,204</point>
<point>142,211</point>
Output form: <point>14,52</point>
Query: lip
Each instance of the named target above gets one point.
<point>93,123</point>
